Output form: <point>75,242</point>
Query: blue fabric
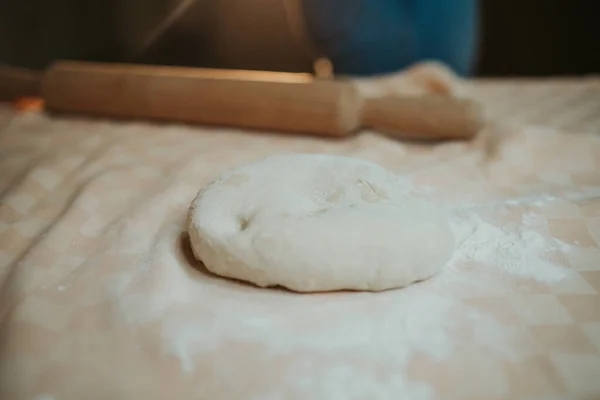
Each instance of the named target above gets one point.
<point>366,37</point>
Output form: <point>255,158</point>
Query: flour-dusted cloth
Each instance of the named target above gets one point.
<point>102,299</point>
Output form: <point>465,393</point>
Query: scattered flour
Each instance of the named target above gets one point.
<point>519,250</point>
<point>208,321</point>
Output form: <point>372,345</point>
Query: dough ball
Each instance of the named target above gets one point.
<point>315,222</point>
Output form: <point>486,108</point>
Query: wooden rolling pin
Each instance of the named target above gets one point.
<point>251,99</point>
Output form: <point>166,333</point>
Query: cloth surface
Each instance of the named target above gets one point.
<point>102,299</point>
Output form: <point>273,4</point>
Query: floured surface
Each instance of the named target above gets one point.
<point>101,297</point>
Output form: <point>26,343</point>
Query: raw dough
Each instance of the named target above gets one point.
<point>315,222</point>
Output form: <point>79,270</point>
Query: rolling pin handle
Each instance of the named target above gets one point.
<point>422,117</point>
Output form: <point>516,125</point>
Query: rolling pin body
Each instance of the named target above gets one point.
<point>255,100</point>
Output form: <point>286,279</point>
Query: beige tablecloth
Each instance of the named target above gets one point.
<point>101,298</point>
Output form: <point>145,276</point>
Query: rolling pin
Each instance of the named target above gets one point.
<point>260,100</point>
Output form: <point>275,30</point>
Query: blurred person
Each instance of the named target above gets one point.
<point>368,37</point>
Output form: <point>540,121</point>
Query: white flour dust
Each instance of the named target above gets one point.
<point>519,250</point>
<point>205,320</point>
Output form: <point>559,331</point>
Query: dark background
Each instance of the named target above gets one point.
<point>535,37</point>
<point>517,38</point>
